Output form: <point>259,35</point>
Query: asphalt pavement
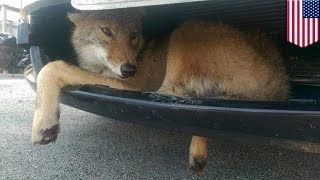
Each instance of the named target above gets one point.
<point>94,147</point>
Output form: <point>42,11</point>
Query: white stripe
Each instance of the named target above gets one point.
<point>306,39</point>
<point>296,23</point>
<point>290,21</point>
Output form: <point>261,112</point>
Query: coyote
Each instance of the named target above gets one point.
<point>198,59</point>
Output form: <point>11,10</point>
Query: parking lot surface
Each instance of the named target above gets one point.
<point>94,147</point>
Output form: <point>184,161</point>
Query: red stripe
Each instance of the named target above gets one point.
<point>288,28</point>
<point>303,31</point>
<point>297,21</point>
<point>314,29</point>
<point>308,32</point>
<point>298,25</point>
<point>293,18</point>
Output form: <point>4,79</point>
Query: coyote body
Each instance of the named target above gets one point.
<point>199,59</point>
<point>208,59</point>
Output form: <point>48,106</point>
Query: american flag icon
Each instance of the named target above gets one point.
<point>303,22</point>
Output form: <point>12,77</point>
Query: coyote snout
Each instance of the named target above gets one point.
<point>108,42</point>
<point>128,70</point>
<point>121,52</point>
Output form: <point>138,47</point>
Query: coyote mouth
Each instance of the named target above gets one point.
<point>122,77</point>
<point>112,69</point>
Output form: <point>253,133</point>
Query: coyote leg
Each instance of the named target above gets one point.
<point>198,154</point>
<point>51,79</point>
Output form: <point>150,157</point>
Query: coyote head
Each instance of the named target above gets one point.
<point>109,39</point>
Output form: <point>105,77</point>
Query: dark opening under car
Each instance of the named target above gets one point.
<point>47,35</point>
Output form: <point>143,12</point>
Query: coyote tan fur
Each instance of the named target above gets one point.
<point>200,59</point>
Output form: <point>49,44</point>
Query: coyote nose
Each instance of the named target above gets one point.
<point>128,70</point>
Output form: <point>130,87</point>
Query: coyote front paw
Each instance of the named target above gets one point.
<point>197,164</point>
<point>45,135</point>
<point>45,126</point>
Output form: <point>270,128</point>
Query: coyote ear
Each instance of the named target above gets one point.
<point>74,17</point>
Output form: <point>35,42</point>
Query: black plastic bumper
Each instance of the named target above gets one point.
<point>288,120</point>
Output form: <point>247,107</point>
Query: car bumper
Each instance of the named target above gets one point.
<point>291,120</point>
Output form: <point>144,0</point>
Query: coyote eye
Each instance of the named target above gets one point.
<point>133,35</point>
<point>106,31</point>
